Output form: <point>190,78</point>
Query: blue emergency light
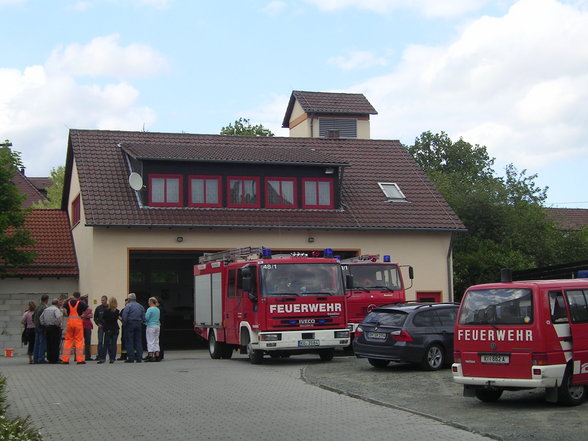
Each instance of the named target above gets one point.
<point>328,252</point>
<point>266,253</point>
<point>387,259</point>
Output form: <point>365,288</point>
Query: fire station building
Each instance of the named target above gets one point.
<point>144,206</point>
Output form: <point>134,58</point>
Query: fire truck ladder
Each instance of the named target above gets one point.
<point>362,258</point>
<point>231,255</point>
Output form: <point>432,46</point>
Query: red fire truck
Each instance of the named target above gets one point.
<point>521,335</point>
<point>374,283</point>
<point>276,305</point>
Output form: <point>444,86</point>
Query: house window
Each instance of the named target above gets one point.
<point>205,191</point>
<point>165,190</point>
<point>243,192</point>
<point>318,193</point>
<point>75,211</point>
<point>280,193</point>
<point>346,127</point>
<point>392,192</point>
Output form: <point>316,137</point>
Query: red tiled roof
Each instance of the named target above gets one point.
<point>569,219</point>
<point>329,103</point>
<point>55,255</point>
<point>108,200</point>
<point>41,183</point>
<point>28,189</point>
<point>207,150</point>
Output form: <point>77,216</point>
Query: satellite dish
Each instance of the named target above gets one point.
<point>136,181</point>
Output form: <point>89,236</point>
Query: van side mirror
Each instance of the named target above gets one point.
<point>410,273</point>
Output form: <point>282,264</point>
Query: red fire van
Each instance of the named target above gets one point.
<point>522,335</point>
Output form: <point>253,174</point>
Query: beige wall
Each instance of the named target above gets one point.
<point>108,275</point>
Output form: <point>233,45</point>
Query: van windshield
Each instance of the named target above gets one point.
<point>301,279</point>
<point>512,306</point>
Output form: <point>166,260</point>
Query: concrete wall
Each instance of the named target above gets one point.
<point>15,295</point>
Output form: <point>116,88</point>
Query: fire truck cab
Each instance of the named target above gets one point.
<point>375,283</point>
<point>522,335</point>
<point>264,304</point>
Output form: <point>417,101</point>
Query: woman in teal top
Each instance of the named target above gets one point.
<point>153,328</point>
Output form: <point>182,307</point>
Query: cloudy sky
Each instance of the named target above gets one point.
<point>508,74</point>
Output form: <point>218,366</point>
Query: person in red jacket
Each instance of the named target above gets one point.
<point>74,333</point>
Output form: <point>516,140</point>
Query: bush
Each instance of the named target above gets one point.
<point>17,429</point>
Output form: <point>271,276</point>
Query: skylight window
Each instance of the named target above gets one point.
<point>392,192</point>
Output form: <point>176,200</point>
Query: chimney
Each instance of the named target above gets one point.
<point>22,171</point>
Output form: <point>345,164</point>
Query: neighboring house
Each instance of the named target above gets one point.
<point>199,193</point>
<point>34,189</point>
<point>568,219</point>
<point>54,272</point>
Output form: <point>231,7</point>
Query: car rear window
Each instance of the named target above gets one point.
<point>386,317</point>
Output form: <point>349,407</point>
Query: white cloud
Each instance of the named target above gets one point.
<point>103,56</point>
<point>39,103</point>
<point>517,84</point>
<point>274,8</point>
<point>428,8</point>
<point>358,60</point>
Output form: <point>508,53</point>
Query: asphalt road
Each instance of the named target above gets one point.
<point>521,416</point>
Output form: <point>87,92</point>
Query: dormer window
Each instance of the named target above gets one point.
<point>280,192</point>
<point>243,192</point>
<point>392,192</point>
<point>318,193</point>
<point>165,190</point>
<point>205,191</point>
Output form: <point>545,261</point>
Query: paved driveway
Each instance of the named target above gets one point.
<point>191,397</point>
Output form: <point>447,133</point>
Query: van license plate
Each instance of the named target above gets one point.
<point>304,343</point>
<point>495,358</point>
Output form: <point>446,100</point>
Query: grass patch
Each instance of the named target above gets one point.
<point>17,429</point>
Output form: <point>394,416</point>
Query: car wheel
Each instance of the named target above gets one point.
<point>215,348</point>
<point>255,355</point>
<point>488,395</point>
<point>434,358</point>
<point>326,354</point>
<point>377,363</point>
<point>568,394</point>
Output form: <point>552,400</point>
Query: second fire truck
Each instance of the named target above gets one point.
<point>375,283</point>
<point>251,301</point>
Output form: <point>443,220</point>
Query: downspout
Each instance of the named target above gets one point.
<point>450,269</point>
<point>312,125</point>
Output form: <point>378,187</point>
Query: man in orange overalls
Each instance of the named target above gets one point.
<point>74,333</point>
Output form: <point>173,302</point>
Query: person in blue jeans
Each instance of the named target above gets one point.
<point>110,326</point>
<point>133,316</point>
<point>40,340</point>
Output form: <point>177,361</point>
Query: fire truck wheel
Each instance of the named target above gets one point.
<point>326,354</point>
<point>568,394</point>
<point>215,348</point>
<point>488,395</point>
<point>434,358</point>
<point>377,363</point>
<point>255,355</point>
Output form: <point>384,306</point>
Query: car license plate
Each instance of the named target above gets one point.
<point>376,335</point>
<point>304,343</point>
<point>495,358</point>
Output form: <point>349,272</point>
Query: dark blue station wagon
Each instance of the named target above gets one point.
<point>419,333</point>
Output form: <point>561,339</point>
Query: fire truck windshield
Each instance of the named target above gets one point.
<point>374,276</point>
<point>301,279</point>
<point>512,306</point>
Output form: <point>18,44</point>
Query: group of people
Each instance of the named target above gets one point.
<point>45,326</point>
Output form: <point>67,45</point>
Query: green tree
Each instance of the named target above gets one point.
<point>54,192</point>
<point>242,127</point>
<point>13,236</point>
<point>507,226</point>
